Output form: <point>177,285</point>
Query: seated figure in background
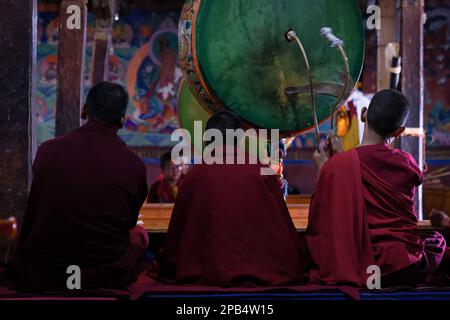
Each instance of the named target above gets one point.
<point>165,189</point>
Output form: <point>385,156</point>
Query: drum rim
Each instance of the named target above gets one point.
<point>183,83</point>
<point>195,59</point>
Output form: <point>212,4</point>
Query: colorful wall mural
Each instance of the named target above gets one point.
<point>144,61</point>
<point>437,73</point>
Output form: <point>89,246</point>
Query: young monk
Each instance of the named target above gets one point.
<point>165,189</point>
<point>87,190</point>
<point>230,226</point>
<point>362,212</point>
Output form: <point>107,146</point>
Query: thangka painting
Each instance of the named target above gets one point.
<point>144,61</point>
<point>437,73</point>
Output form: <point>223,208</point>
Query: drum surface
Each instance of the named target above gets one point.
<point>234,55</point>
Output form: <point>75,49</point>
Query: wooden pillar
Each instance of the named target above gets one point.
<point>386,35</point>
<point>18,25</point>
<point>104,11</point>
<point>412,79</point>
<point>71,52</point>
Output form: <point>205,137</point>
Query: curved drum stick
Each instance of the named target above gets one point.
<point>327,33</point>
<point>291,36</point>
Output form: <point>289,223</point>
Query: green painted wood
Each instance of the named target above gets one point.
<point>190,110</point>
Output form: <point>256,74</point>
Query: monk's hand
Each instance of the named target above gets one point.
<point>439,219</point>
<point>321,156</point>
<point>139,237</point>
<point>334,144</point>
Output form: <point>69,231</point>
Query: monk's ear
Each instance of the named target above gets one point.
<point>364,114</point>
<point>84,112</point>
<point>397,133</point>
<point>122,122</point>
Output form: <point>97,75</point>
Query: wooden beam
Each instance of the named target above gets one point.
<point>386,35</point>
<point>18,25</point>
<point>412,80</point>
<point>71,52</point>
<point>100,59</point>
<point>104,11</point>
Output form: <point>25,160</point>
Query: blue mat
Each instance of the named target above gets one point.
<point>434,294</point>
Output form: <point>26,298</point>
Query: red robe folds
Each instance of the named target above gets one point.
<point>87,191</point>
<point>362,214</point>
<point>161,192</point>
<point>230,227</point>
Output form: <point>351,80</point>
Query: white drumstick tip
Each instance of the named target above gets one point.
<point>327,33</point>
<point>291,35</point>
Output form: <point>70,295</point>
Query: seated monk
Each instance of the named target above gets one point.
<point>362,212</point>
<point>83,206</point>
<point>230,225</point>
<point>165,189</point>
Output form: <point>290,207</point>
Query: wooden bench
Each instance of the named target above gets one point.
<point>298,199</point>
<point>156,217</point>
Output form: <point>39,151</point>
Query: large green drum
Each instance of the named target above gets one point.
<point>235,55</point>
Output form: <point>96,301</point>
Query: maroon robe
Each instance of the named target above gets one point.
<point>362,214</point>
<point>161,192</point>
<point>230,227</point>
<point>86,194</point>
